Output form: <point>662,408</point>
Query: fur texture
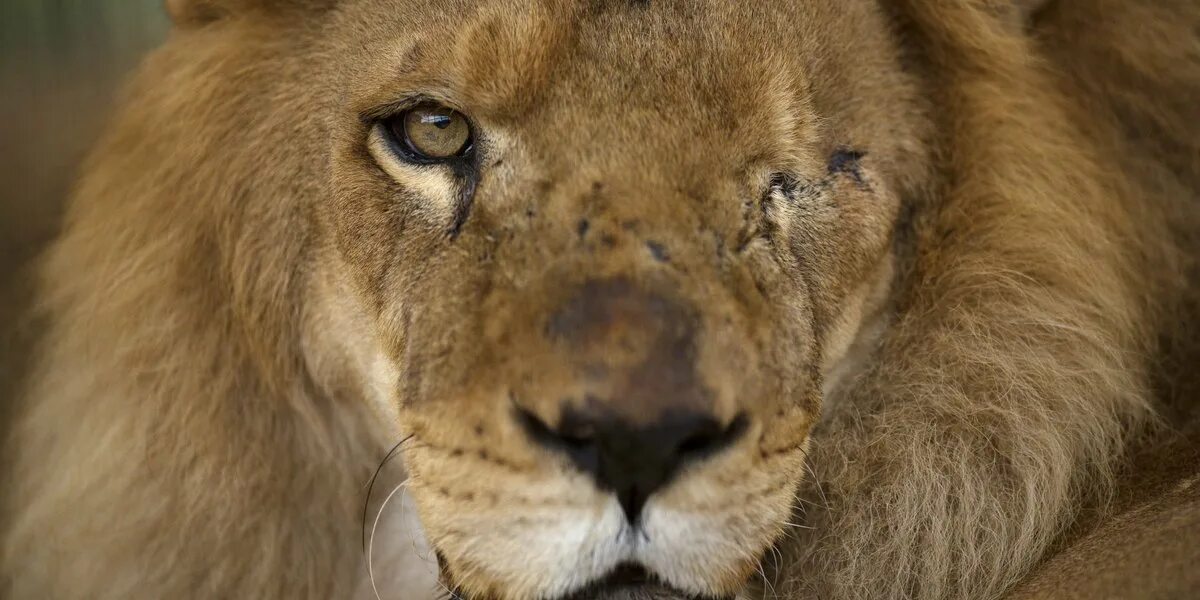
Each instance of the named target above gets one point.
<point>1007,388</point>
<point>940,255</point>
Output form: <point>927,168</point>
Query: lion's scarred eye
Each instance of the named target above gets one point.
<point>431,132</point>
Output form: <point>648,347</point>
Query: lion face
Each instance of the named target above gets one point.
<point>599,260</point>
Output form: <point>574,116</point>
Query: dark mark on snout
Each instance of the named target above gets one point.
<point>658,251</point>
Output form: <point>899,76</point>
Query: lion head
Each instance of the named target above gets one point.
<point>606,255</point>
<point>597,266</point>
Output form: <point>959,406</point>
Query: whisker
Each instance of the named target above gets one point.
<point>777,556</point>
<point>817,481</point>
<point>371,487</point>
<point>450,594</point>
<point>768,587</point>
<point>371,540</point>
<point>797,525</point>
<point>800,500</point>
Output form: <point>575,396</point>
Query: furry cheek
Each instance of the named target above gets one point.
<point>706,540</point>
<point>548,538</point>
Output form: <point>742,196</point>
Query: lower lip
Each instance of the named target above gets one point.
<point>639,592</point>
<point>646,591</point>
<point>630,582</point>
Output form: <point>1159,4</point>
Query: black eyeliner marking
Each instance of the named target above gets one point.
<point>404,152</point>
<point>465,166</point>
<point>466,172</point>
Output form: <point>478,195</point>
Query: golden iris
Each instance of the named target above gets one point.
<point>433,132</point>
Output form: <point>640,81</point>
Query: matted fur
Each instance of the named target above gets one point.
<point>223,312</point>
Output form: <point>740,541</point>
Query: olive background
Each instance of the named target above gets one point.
<point>61,66</point>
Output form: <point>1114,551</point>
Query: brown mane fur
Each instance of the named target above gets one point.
<point>182,438</point>
<point>159,440</point>
<point>1030,315</point>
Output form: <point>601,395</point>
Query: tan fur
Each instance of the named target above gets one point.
<point>252,299</point>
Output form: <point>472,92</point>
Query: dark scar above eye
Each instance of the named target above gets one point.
<point>848,161</point>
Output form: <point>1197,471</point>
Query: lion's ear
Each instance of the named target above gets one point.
<point>191,13</point>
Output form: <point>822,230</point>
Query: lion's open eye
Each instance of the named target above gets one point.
<point>431,133</point>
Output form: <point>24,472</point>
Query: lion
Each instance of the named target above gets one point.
<point>653,298</point>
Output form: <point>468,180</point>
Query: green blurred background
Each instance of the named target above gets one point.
<point>61,64</point>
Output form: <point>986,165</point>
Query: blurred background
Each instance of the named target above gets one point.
<point>61,66</point>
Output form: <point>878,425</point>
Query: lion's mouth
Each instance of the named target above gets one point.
<point>627,582</point>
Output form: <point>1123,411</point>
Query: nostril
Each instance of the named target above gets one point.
<point>535,427</point>
<point>698,443</point>
<point>571,433</point>
<point>576,440</point>
<point>713,438</point>
<point>576,433</point>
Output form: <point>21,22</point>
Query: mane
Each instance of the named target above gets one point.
<point>1005,394</point>
<point>173,400</point>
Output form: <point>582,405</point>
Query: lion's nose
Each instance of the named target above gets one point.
<point>631,461</point>
<point>639,410</point>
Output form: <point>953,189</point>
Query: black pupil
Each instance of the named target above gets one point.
<point>439,121</point>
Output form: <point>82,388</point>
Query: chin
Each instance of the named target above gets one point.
<point>626,582</point>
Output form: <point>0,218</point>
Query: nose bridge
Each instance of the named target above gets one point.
<point>659,199</point>
<point>634,347</point>
<point>640,229</point>
<point>661,187</point>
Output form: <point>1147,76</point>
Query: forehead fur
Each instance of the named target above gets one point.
<point>681,70</point>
